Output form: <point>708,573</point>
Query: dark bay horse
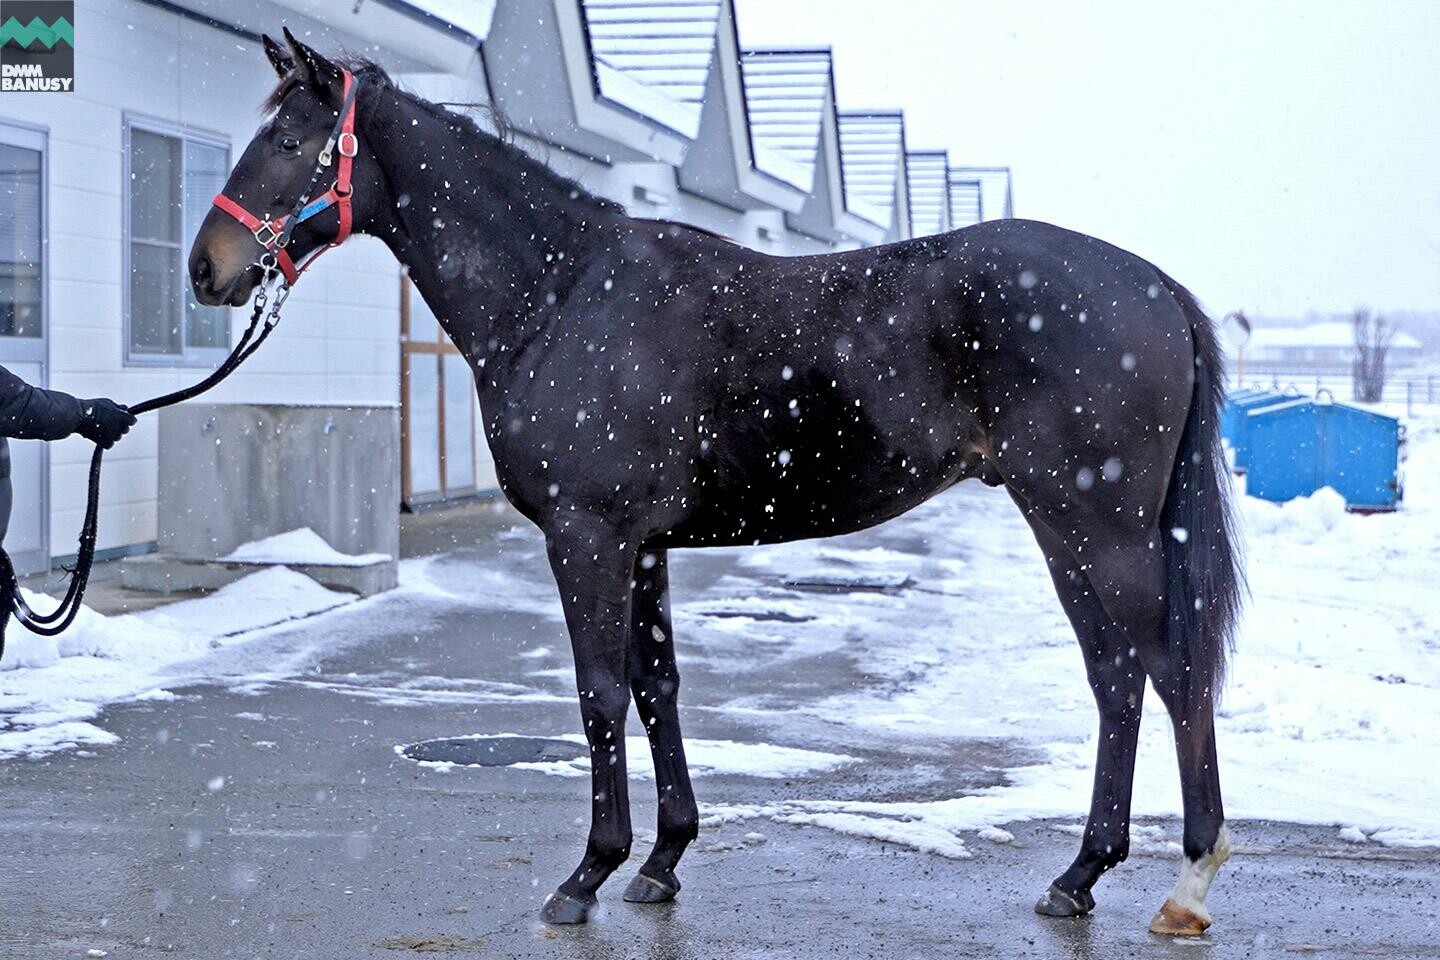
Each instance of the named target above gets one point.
<point>646,385</point>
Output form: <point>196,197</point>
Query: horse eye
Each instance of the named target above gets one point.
<point>289,144</point>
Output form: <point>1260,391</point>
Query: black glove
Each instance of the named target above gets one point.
<point>104,421</point>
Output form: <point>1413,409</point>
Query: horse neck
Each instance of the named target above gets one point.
<point>484,229</point>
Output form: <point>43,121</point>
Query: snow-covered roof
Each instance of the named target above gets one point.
<point>785,93</point>
<point>872,146</point>
<point>929,192</point>
<point>966,204</point>
<point>1333,333</point>
<point>653,56</point>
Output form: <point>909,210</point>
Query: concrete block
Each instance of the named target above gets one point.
<point>232,474</point>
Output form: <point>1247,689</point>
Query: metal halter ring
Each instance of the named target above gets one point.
<point>269,227</point>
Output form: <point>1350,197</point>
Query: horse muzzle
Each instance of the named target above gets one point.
<point>223,268</point>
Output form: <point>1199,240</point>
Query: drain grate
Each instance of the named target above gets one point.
<point>493,751</point>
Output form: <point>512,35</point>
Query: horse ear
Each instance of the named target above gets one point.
<point>319,72</point>
<point>279,58</point>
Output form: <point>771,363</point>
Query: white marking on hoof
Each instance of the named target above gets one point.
<point>1184,912</point>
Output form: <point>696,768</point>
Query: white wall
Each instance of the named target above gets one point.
<point>338,342</point>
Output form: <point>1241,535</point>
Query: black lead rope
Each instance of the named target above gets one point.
<point>57,621</point>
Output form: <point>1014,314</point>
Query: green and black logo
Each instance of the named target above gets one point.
<point>37,45</point>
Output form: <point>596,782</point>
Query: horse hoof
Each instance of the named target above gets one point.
<point>1057,903</point>
<point>1174,920</point>
<point>562,908</point>
<point>643,889</point>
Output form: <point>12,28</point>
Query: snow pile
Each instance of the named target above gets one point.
<point>303,547</point>
<point>50,687</point>
<point>1303,520</point>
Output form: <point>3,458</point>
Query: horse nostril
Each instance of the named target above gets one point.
<point>203,271</point>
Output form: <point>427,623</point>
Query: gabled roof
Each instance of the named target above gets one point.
<point>828,212</point>
<point>995,201</point>
<point>664,44</point>
<point>653,56</point>
<point>967,204</point>
<point>872,150</point>
<point>725,163</point>
<point>785,95</point>
<point>471,16</point>
<point>550,81</point>
<point>929,172</point>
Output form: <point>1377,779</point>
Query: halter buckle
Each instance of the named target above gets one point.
<point>267,227</point>
<point>348,145</point>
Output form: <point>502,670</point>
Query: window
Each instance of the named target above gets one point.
<point>171,177</point>
<point>21,289</point>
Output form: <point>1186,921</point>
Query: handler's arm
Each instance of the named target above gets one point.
<point>30,413</point>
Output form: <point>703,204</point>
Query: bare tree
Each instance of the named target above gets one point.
<point>1373,334</point>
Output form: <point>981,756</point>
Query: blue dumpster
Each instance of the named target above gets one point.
<point>1362,457</point>
<point>1235,421</point>
<point>1231,415</point>
<point>1298,446</point>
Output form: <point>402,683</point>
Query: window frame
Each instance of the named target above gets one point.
<point>27,136</point>
<point>188,356</point>
<point>30,136</point>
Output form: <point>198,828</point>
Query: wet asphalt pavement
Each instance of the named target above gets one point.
<point>276,820</point>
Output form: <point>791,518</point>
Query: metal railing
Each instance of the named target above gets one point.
<point>1410,389</point>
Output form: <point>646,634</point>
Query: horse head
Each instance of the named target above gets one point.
<point>299,186</point>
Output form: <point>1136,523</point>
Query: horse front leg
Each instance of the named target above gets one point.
<point>655,682</point>
<point>592,564</point>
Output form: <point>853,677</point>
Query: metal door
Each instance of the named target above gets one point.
<point>23,296</point>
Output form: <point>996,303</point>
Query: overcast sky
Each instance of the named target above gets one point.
<point>1272,155</point>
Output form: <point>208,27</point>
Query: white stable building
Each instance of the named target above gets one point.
<point>653,104</point>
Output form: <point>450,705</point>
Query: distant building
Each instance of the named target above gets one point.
<point>1328,346</point>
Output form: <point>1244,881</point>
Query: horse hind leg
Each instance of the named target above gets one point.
<point>655,683</point>
<point>1118,683</point>
<point>1206,840</point>
<point>1131,583</point>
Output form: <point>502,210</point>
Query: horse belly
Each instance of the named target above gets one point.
<point>820,481</point>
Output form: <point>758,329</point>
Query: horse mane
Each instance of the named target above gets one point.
<point>374,77</point>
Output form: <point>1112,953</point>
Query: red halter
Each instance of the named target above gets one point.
<point>274,235</point>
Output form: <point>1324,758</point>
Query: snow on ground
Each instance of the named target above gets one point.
<point>705,757</point>
<point>303,546</point>
<point>51,687</point>
<point>1327,718</point>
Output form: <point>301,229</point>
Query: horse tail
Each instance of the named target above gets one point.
<point>1204,576</point>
